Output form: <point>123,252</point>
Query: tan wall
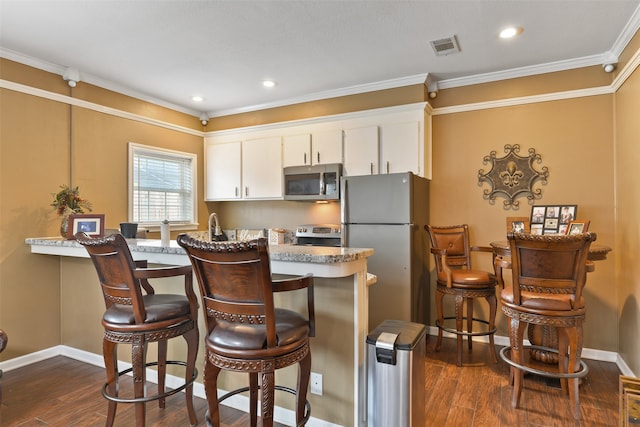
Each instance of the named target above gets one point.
<point>575,139</point>
<point>627,175</point>
<point>44,144</point>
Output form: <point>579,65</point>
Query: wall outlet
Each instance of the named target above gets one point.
<point>316,383</point>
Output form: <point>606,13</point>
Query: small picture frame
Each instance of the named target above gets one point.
<point>518,224</point>
<point>92,224</point>
<point>552,219</point>
<point>577,227</point>
<point>629,393</point>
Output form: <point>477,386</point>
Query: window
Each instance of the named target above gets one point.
<point>162,185</point>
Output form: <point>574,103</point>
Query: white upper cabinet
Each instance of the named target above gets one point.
<point>400,148</point>
<point>315,148</point>
<point>326,147</point>
<point>246,163</point>
<point>243,170</point>
<point>361,151</point>
<point>296,150</point>
<point>262,168</point>
<point>223,176</point>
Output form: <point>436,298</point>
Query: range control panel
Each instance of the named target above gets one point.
<point>318,235</point>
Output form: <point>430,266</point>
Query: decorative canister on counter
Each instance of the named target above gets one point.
<point>276,236</point>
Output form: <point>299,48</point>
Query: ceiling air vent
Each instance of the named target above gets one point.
<point>445,46</point>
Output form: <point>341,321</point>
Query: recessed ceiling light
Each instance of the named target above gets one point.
<point>197,98</point>
<point>268,83</point>
<point>510,32</point>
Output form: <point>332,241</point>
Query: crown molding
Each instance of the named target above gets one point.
<point>91,79</point>
<point>513,73</point>
<point>29,90</point>
<point>417,106</point>
<point>335,93</point>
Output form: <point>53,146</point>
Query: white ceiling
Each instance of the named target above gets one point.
<point>167,51</point>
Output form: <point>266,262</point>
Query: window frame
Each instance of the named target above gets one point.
<point>138,149</point>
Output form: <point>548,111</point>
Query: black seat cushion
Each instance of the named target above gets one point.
<point>291,327</point>
<point>159,308</point>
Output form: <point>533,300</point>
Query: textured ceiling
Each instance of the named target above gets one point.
<point>167,51</point>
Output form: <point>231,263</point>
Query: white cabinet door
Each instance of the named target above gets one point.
<point>361,151</point>
<point>326,147</point>
<point>400,148</point>
<point>296,150</point>
<point>262,168</point>
<point>223,172</point>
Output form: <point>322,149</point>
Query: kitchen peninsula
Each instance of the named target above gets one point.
<point>341,309</point>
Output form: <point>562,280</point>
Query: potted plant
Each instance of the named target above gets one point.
<point>66,202</point>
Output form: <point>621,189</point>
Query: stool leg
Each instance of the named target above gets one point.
<point>516,337</point>
<point>304,374</point>
<point>192,338</point>
<point>111,366</point>
<point>210,380</point>
<point>253,399</point>
<point>439,298</point>
<point>469,322</point>
<point>139,357</point>
<point>459,315</point>
<point>575,353</point>
<point>268,382</point>
<point>162,370</point>
<point>563,346</point>
<point>493,309</point>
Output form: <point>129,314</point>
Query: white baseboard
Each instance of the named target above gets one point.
<point>587,353</point>
<point>280,415</point>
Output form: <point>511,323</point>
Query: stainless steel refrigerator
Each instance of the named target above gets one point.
<point>388,213</point>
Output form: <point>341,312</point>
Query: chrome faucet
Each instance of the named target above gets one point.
<point>217,231</point>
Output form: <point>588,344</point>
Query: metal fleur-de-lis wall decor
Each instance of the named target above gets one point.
<point>512,176</point>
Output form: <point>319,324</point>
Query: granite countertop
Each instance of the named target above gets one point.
<point>289,253</point>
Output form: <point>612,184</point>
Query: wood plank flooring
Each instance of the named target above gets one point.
<point>64,392</point>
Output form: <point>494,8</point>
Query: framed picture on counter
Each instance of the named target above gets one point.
<point>577,227</point>
<point>552,219</point>
<point>518,224</point>
<point>92,224</point>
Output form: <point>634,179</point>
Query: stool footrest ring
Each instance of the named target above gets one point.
<point>470,334</point>
<point>307,405</point>
<point>155,396</point>
<point>584,369</point>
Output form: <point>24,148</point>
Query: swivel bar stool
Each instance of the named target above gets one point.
<point>245,331</point>
<point>137,319</point>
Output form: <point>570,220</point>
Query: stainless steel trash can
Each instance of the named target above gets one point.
<point>395,374</point>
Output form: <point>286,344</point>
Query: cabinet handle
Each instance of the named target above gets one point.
<point>371,168</point>
<point>387,167</point>
<point>305,158</point>
<point>246,191</point>
<point>318,157</point>
<point>236,191</point>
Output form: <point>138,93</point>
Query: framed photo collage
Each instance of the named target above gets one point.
<point>552,219</point>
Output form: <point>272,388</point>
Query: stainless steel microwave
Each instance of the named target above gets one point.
<point>319,182</point>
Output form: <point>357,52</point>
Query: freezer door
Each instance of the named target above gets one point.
<point>377,199</point>
<point>391,297</point>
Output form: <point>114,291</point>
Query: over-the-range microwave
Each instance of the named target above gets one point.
<point>318,182</point>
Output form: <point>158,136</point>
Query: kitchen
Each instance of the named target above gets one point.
<point>593,127</point>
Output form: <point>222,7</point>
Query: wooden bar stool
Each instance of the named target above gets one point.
<point>549,274</point>
<point>245,331</point>
<point>455,276</point>
<point>138,319</point>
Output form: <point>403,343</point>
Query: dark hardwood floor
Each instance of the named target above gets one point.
<point>64,392</point>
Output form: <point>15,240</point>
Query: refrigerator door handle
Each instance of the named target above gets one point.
<point>343,214</point>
